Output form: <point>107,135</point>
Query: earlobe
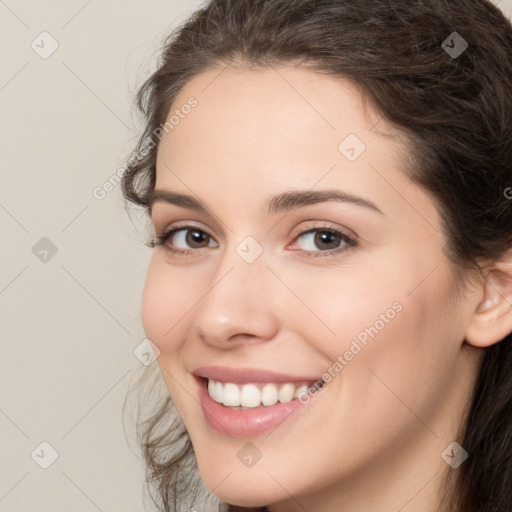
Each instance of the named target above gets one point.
<point>492,320</point>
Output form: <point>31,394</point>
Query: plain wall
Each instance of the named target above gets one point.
<point>70,325</point>
<point>70,321</point>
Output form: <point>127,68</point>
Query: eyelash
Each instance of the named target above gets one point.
<point>350,241</point>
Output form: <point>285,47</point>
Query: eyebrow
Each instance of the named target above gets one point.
<point>283,202</point>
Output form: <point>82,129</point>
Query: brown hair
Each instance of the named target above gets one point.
<point>455,110</point>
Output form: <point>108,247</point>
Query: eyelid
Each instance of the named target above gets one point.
<point>319,225</point>
<point>178,226</point>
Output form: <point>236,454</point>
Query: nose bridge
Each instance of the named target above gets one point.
<point>238,302</point>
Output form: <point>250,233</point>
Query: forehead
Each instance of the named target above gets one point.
<point>266,115</point>
<point>280,101</point>
<point>263,131</point>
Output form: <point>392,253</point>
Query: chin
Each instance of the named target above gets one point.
<point>243,487</point>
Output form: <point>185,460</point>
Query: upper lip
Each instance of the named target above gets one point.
<point>247,375</point>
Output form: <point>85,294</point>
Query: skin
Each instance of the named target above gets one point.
<point>373,438</point>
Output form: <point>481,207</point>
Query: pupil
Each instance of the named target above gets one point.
<point>324,237</point>
<point>195,237</point>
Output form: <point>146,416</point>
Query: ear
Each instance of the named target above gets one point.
<point>492,319</point>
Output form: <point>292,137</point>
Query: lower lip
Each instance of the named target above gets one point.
<point>249,422</point>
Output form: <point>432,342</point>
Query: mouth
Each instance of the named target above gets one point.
<point>258,394</point>
<point>245,403</point>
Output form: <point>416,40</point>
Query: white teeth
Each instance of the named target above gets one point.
<point>286,393</point>
<point>211,388</point>
<point>218,392</point>
<point>269,394</point>
<point>250,395</point>
<point>231,395</point>
<point>301,390</point>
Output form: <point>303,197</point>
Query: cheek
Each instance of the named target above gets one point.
<point>341,310</point>
<point>378,328</point>
<point>163,305</point>
<point>404,365</point>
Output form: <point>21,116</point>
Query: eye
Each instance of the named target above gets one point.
<point>323,241</point>
<point>191,238</point>
<point>316,241</point>
<point>184,239</point>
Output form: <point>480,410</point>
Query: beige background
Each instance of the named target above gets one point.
<point>70,324</point>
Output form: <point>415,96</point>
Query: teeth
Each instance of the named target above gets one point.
<point>299,390</point>
<point>269,394</point>
<point>250,395</point>
<point>231,395</point>
<point>286,393</point>
<point>216,390</point>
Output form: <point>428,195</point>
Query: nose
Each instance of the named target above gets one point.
<point>239,306</point>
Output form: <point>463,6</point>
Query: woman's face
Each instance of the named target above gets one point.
<point>281,277</point>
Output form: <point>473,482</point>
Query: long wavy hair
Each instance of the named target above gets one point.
<point>456,111</point>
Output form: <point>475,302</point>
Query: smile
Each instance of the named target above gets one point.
<point>248,396</point>
<point>246,403</point>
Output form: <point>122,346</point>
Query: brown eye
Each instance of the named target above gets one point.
<point>194,238</point>
<point>327,240</point>
<point>185,239</point>
<point>323,240</point>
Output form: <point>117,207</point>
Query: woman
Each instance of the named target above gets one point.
<point>331,284</point>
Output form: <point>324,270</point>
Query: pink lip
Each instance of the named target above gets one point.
<point>250,422</point>
<point>247,375</point>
